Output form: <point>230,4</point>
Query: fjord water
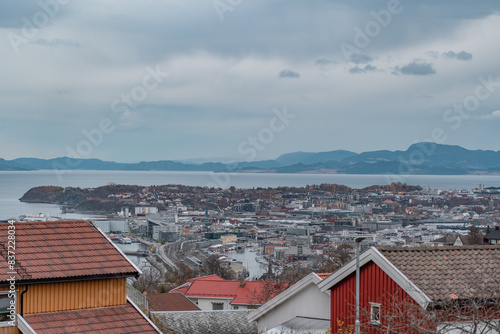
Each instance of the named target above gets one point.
<point>13,184</point>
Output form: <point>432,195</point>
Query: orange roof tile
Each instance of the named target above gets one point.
<point>109,320</point>
<point>323,275</point>
<point>60,249</point>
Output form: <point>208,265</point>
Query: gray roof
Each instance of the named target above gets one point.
<point>495,234</point>
<point>208,322</point>
<point>450,271</point>
<point>447,239</point>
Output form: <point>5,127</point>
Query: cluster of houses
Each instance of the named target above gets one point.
<point>68,277</point>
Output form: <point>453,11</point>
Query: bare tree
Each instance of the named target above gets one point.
<point>267,291</point>
<point>476,235</point>
<point>149,280</point>
<point>179,276</point>
<point>334,259</point>
<point>212,265</point>
<point>474,316</point>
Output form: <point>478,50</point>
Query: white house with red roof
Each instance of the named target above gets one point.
<point>215,293</point>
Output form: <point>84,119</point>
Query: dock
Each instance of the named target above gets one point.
<point>138,253</point>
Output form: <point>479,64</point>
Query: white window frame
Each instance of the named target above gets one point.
<point>375,309</point>
<point>6,323</point>
<point>218,304</point>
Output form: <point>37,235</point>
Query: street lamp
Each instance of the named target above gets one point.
<point>358,246</point>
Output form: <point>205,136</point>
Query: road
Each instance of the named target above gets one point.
<point>160,251</point>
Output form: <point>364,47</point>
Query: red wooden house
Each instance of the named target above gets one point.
<point>414,290</point>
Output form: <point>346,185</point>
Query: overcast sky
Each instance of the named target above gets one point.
<point>246,79</point>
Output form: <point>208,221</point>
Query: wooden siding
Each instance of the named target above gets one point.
<point>66,296</point>
<point>9,330</point>
<point>375,287</point>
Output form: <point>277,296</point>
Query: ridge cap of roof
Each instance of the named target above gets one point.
<point>436,248</point>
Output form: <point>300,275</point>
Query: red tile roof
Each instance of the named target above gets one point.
<point>171,302</point>
<point>251,293</point>
<point>109,320</point>
<point>61,249</point>
<point>208,277</point>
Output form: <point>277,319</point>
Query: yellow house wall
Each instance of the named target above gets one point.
<point>66,296</point>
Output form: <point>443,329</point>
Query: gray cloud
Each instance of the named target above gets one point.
<point>12,13</point>
<point>57,42</point>
<point>433,54</point>
<point>359,70</point>
<point>416,68</point>
<point>358,58</point>
<point>324,62</point>
<point>228,74</point>
<point>424,94</point>
<point>63,91</point>
<point>492,116</point>
<point>462,55</point>
<point>289,74</point>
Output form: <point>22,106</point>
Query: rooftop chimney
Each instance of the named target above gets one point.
<point>242,281</point>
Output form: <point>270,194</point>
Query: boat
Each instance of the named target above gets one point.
<point>125,240</point>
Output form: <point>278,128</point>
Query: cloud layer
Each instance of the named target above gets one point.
<point>70,68</point>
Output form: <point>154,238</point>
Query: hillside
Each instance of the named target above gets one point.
<point>420,158</point>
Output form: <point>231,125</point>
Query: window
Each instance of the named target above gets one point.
<point>8,307</point>
<point>236,307</point>
<point>375,313</point>
<point>217,306</point>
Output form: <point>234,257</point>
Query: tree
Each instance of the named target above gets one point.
<point>475,316</point>
<point>180,275</point>
<point>267,291</point>
<point>476,235</point>
<point>149,280</point>
<point>334,259</point>
<point>213,266</point>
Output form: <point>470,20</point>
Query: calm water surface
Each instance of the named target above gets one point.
<point>14,184</point>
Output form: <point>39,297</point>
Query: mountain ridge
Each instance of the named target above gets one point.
<point>420,158</point>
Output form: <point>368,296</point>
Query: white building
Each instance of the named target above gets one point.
<point>302,308</point>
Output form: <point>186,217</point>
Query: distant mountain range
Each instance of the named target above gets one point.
<point>421,158</point>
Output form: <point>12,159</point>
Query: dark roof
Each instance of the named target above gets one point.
<point>468,240</point>
<point>61,249</point>
<point>171,302</point>
<point>447,239</point>
<point>234,322</point>
<point>450,271</point>
<point>495,234</point>
<point>110,320</point>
